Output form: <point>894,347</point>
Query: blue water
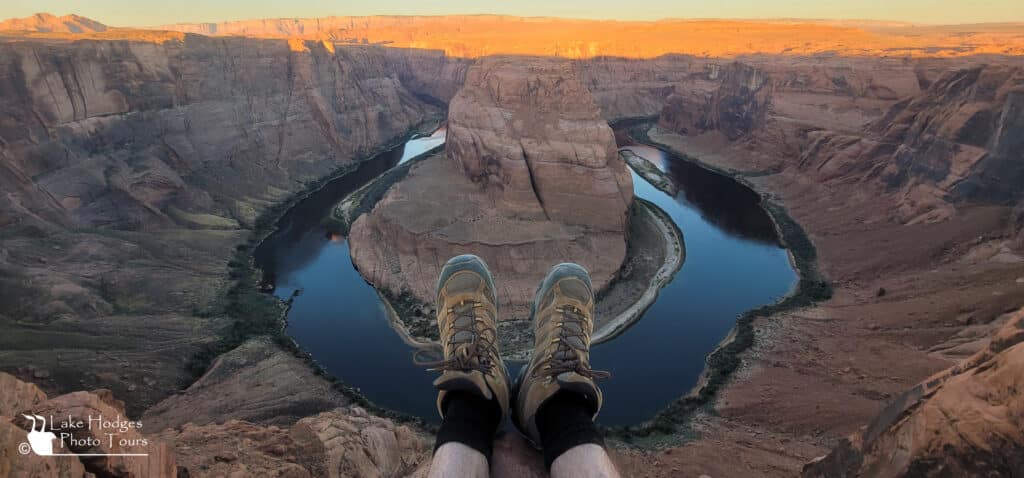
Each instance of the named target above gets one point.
<point>733,264</point>
<point>725,273</point>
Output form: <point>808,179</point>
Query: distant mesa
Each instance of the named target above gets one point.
<point>48,23</point>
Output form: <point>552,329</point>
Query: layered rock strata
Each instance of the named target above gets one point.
<point>531,178</point>
<point>951,139</point>
<point>735,104</point>
<point>130,170</point>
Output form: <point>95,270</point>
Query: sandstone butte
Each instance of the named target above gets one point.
<point>531,178</point>
<point>135,163</point>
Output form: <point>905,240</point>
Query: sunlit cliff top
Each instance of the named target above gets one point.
<point>480,35</point>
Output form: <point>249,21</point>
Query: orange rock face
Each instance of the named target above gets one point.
<point>483,35</point>
<point>474,36</point>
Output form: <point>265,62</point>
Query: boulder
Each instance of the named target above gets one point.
<point>356,443</point>
<point>346,442</point>
<point>17,396</point>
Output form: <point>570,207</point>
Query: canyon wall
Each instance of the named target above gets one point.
<point>185,126</point>
<point>531,178</point>
<point>735,103</point>
<point>132,169</point>
<point>937,135</point>
<point>430,74</point>
<point>957,141</point>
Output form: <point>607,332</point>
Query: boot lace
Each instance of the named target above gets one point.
<point>472,350</point>
<point>566,357</point>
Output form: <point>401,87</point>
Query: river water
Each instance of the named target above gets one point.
<point>733,264</point>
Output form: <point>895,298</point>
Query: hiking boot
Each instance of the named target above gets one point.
<point>467,320</point>
<point>563,321</point>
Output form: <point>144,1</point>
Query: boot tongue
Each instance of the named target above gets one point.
<point>463,338</point>
<point>573,335</point>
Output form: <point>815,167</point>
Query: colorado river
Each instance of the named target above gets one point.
<point>733,264</point>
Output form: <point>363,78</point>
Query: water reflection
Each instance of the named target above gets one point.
<point>721,200</point>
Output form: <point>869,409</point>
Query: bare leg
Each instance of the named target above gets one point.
<point>453,459</point>
<point>584,461</point>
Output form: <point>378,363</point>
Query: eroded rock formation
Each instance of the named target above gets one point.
<point>734,102</point>
<point>256,382</point>
<point>531,179</point>
<point>347,442</point>
<point>965,421</point>
<point>958,140</point>
<point>529,134</point>
<point>955,140</point>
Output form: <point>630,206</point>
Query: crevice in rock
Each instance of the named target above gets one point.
<point>533,181</point>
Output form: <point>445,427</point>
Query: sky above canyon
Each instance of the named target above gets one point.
<point>145,13</point>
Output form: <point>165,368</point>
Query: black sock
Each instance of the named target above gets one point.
<point>471,420</point>
<point>565,421</point>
